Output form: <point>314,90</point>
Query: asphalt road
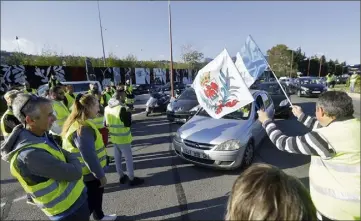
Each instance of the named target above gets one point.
<point>174,189</point>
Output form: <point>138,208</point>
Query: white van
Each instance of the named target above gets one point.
<point>79,86</point>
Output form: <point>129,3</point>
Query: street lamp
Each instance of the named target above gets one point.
<point>292,59</point>
<point>309,65</point>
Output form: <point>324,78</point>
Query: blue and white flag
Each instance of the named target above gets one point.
<point>253,60</point>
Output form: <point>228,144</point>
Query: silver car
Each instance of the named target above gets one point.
<point>226,143</point>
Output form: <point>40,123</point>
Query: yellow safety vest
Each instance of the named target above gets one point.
<point>2,124</point>
<point>70,100</point>
<point>353,78</point>
<point>335,182</point>
<point>108,96</point>
<point>328,78</point>
<point>33,91</point>
<point>52,196</point>
<point>118,133</point>
<point>128,100</point>
<point>98,122</point>
<point>99,146</point>
<point>113,91</point>
<point>62,112</point>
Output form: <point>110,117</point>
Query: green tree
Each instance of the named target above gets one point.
<point>279,58</point>
<point>191,56</point>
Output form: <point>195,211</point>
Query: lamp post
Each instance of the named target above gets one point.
<point>17,41</point>
<point>319,71</point>
<point>171,49</point>
<point>292,60</point>
<point>101,33</point>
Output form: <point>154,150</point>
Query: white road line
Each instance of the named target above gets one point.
<point>20,198</point>
<point>138,113</point>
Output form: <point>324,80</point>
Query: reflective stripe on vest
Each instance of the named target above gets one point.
<point>2,123</point>
<point>118,133</point>
<point>52,196</point>
<point>98,122</point>
<point>62,112</point>
<point>99,146</point>
<point>336,181</point>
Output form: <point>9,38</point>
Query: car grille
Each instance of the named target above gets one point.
<point>200,146</point>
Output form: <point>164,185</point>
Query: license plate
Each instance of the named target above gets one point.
<point>195,153</point>
<point>180,120</point>
<point>316,92</point>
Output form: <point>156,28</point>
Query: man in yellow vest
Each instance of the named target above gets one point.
<point>107,95</point>
<point>328,80</point>
<point>61,112</point>
<point>354,77</point>
<point>28,89</point>
<point>53,177</point>
<point>334,146</point>
<point>118,121</point>
<point>8,120</point>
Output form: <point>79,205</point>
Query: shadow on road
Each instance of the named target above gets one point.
<point>213,209</point>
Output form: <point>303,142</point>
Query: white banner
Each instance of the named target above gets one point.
<point>220,88</point>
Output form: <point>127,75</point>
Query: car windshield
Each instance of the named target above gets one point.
<point>188,94</point>
<point>241,114</point>
<point>309,81</point>
<point>272,89</point>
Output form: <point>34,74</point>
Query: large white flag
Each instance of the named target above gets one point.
<point>220,88</point>
<point>246,76</point>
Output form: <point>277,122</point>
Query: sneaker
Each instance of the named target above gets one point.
<point>136,181</point>
<point>124,179</point>
<point>110,217</point>
<point>31,202</point>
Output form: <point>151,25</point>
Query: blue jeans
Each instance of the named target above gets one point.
<point>119,150</point>
<point>352,87</point>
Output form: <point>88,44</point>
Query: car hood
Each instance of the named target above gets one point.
<point>212,131</point>
<point>313,86</point>
<point>185,105</point>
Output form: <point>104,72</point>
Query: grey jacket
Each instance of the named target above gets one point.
<point>37,165</point>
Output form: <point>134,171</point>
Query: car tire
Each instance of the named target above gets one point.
<point>248,155</point>
<point>299,94</point>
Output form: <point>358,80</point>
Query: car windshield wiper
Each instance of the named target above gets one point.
<point>231,117</point>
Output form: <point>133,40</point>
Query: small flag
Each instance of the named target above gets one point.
<point>220,88</point>
<point>253,60</point>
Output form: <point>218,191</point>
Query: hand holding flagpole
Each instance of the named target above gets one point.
<point>289,100</point>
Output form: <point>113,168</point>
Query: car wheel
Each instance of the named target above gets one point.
<point>248,155</point>
<point>299,93</point>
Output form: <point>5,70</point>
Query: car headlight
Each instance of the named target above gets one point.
<point>169,107</point>
<point>228,145</point>
<point>195,109</point>
<point>284,103</point>
<point>177,138</point>
<point>304,88</point>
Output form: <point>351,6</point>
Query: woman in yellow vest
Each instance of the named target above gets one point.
<point>81,137</point>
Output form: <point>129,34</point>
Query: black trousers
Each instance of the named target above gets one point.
<point>95,198</point>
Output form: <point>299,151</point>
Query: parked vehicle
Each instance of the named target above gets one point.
<point>177,85</point>
<point>281,104</point>
<point>226,143</point>
<point>183,107</point>
<point>309,87</point>
<point>79,87</point>
<point>341,79</point>
<point>157,103</point>
<point>140,89</point>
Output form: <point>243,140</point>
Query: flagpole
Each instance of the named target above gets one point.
<point>171,50</point>
<point>269,66</point>
<point>101,34</point>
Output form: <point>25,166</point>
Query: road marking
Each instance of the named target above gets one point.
<point>20,198</point>
<point>138,113</point>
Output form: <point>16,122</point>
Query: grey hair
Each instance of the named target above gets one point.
<point>336,104</point>
<point>31,108</point>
